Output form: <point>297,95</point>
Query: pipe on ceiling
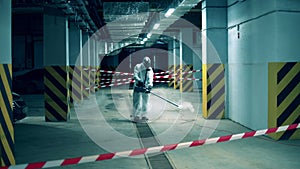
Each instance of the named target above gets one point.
<point>84,20</point>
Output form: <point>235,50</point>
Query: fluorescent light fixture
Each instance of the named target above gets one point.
<point>145,39</point>
<point>149,35</point>
<point>156,26</point>
<point>169,12</point>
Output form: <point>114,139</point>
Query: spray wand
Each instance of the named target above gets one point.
<point>167,100</point>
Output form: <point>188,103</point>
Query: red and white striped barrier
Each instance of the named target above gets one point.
<point>151,150</point>
<point>114,72</point>
<point>158,73</point>
<point>163,77</point>
<point>162,81</point>
<point>130,80</point>
<point>113,84</point>
<point>89,68</point>
<point>188,78</point>
<point>192,71</point>
<point>114,80</point>
<point>171,72</point>
<point>161,73</point>
<point>169,76</point>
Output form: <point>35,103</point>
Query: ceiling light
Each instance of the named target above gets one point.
<point>145,39</point>
<point>169,12</point>
<point>156,26</point>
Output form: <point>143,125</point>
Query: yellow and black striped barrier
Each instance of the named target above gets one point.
<point>284,98</point>
<point>93,79</point>
<point>186,85</point>
<point>97,78</point>
<point>6,111</point>
<point>177,76</point>
<point>86,82</point>
<point>213,91</point>
<point>56,93</point>
<point>174,80</point>
<point>171,79</point>
<point>75,77</point>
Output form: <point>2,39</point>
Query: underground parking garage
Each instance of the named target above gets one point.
<point>222,89</point>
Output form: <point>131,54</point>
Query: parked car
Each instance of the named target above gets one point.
<point>20,108</point>
<point>31,82</point>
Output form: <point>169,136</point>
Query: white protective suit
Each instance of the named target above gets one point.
<point>143,74</point>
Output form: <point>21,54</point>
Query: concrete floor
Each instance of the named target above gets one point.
<point>101,124</point>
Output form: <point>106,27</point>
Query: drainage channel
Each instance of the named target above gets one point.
<point>147,139</point>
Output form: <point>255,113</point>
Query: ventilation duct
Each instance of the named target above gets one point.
<point>125,10</point>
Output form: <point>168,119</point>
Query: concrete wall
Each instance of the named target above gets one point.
<point>268,32</point>
<point>5,33</point>
<point>29,58</point>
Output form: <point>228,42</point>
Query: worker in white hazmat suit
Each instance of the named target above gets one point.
<point>143,76</point>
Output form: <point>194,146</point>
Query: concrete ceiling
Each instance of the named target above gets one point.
<point>122,21</point>
<point>130,22</point>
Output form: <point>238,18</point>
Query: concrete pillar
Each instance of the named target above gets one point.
<point>106,48</point>
<point>174,59</point>
<point>177,60</point>
<point>214,57</point>
<point>97,62</point>
<point>186,65</point>
<point>7,133</point>
<point>187,40</point>
<point>171,59</point>
<point>114,61</point>
<point>197,62</point>
<point>263,59</point>
<point>97,48</point>
<point>85,64</point>
<point>75,68</point>
<point>100,51</point>
<point>56,61</point>
<point>93,65</point>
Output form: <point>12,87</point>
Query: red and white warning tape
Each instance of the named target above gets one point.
<point>187,78</point>
<point>192,71</point>
<point>90,69</point>
<point>158,73</point>
<point>114,72</point>
<point>114,80</point>
<point>129,80</point>
<point>107,81</point>
<point>170,76</point>
<point>161,73</point>
<point>112,84</point>
<point>162,81</point>
<point>171,72</point>
<point>163,77</point>
<point>157,149</point>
